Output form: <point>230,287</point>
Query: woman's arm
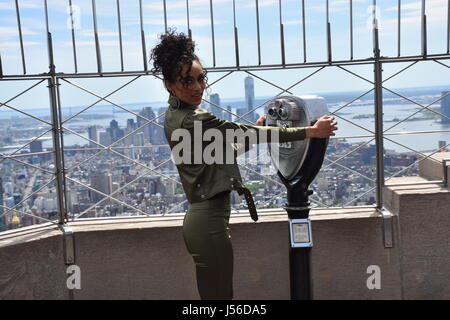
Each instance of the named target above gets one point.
<point>261,134</point>
<point>322,128</point>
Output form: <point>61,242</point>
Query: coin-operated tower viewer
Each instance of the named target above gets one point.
<point>297,164</point>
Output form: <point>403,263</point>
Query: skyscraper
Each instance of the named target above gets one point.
<point>249,97</point>
<point>36,146</point>
<point>215,98</point>
<point>445,106</point>
<point>114,131</point>
<point>102,182</point>
<point>149,128</point>
<point>228,115</point>
<point>93,135</point>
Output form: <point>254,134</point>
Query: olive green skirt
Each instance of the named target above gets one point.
<point>207,238</point>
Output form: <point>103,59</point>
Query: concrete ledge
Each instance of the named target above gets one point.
<point>423,237</point>
<point>432,167</point>
<point>145,257</point>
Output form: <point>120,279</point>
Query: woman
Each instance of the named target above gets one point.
<point>208,185</point>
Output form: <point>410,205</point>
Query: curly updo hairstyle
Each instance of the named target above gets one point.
<point>173,51</point>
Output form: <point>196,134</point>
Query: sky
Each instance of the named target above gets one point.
<point>145,89</point>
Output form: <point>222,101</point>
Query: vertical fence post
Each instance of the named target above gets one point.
<point>378,103</point>
<point>57,135</point>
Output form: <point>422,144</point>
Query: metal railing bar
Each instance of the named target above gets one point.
<point>352,207</point>
<point>448,26</point>
<point>424,29</point>
<point>258,32</point>
<point>22,77</point>
<point>74,50</point>
<point>328,32</point>
<point>97,44</point>
<point>414,58</point>
<point>304,31</point>
<point>111,93</point>
<point>144,49</point>
<point>188,20</point>
<point>212,32</point>
<point>59,154</point>
<point>165,15</point>
<point>351,29</point>
<point>441,63</point>
<point>236,39</point>
<point>398,27</point>
<point>378,106</point>
<point>283,57</point>
<point>412,132</point>
<point>26,154</point>
<point>119,23</point>
<point>49,39</point>
<point>267,67</point>
<point>20,36</point>
<point>1,66</point>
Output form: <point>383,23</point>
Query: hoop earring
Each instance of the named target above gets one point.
<point>174,101</point>
<point>177,102</point>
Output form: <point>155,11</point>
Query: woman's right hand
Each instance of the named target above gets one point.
<point>324,127</point>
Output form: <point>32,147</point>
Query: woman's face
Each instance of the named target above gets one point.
<point>189,87</point>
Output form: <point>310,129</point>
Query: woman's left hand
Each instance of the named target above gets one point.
<point>261,121</point>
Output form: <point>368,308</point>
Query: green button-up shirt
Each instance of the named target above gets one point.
<point>202,180</point>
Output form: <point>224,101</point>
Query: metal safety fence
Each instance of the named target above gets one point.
<point>77,181</point>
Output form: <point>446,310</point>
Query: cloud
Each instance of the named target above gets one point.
<point>181,5</point>
<point>193,22</point>
<point>16,44</point>
<point>30,4</point>
<point>90,33</point>
<point>12,31</point>
<point>105,43</point>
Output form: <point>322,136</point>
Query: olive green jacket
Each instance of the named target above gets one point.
<point>201,181</point>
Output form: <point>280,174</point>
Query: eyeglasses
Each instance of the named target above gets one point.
<point>188,81</point>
